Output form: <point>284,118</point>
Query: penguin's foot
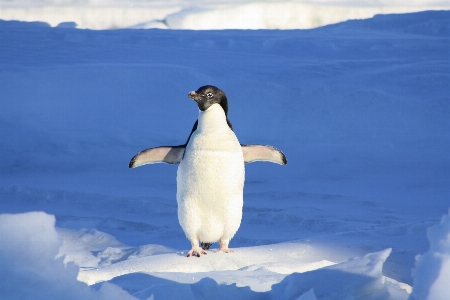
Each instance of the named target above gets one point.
<point>196,251</point>
<point>224,248</point>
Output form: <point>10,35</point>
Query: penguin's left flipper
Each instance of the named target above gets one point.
<point>254,153</point>
<point>164,154</point>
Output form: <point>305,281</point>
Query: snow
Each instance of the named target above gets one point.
<point>277,15</point>
<point>206,14</point>
<point>432,272</point>
<point>360,108</point>
<point>28,268</point>
<point>30,244</point>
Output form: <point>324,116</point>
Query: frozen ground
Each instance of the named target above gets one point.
<point>361,109</point>
<point>205,14</point>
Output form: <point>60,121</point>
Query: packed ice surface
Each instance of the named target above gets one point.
<point>361,109</point>
<point>207,14</point>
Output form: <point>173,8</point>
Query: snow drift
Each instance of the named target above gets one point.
<point>29,268</point>
<point>275,15</point>
<point>432,272</point>
<point>177,14</point>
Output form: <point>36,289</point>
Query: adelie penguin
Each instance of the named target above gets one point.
<point>210,177</point>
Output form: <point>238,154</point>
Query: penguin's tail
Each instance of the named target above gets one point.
<point>205,246</point>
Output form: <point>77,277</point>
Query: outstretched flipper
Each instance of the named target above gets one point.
<point>254,153</point>
<point>164,154</point>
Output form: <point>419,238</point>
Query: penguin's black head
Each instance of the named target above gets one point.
<point>207,95</point>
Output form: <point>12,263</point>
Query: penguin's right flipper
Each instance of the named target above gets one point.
<point>254,153</point>
<point>164,154</point>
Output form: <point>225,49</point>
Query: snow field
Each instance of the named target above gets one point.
<point>40,275</point>
<point>34,235</point>
<point>205,15</point>
<point>360,109</point>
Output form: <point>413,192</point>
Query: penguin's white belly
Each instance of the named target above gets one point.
<point>210,183</point>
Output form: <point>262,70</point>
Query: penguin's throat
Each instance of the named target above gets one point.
<point>212,118</point>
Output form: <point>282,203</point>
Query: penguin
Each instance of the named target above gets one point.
<point>211,173</point>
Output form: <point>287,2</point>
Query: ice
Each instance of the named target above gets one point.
<point>29,269</point>
<point>432,271</point>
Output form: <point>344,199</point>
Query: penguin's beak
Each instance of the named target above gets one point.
<point>194,96</point>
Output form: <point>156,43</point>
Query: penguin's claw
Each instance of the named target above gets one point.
<point>196,252</point>
<point>225,250</point>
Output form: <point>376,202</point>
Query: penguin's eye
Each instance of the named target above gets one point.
<point>209,95</point>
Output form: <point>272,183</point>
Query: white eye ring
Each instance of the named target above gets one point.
<point>209,95</point>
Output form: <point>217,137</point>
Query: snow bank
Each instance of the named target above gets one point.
<point>79,246</point>
<point>279,15</point>
<point>358,278</point>
<point>87,16</point>
<point>205,14</point>
<point>274,260</point>
<point>432,272</point>
<point>28,268</point>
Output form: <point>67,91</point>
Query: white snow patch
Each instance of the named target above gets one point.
<point>28,268</point>
<point>92,17</point>
<point>78,246</point>
<point>288,257</point>
<point>432,272</point>
<point>358,278</point>
<point>90,249</point>
<point>275,269</point>
<point>275,15</point>
<point>230,14</point>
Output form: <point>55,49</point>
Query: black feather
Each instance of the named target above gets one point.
<point>205,246</point>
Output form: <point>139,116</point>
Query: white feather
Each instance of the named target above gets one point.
<point>210,180</point>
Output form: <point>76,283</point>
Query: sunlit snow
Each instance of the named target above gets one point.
<point>206,14</point>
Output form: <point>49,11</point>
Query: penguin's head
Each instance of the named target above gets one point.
<point>207,95</point>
